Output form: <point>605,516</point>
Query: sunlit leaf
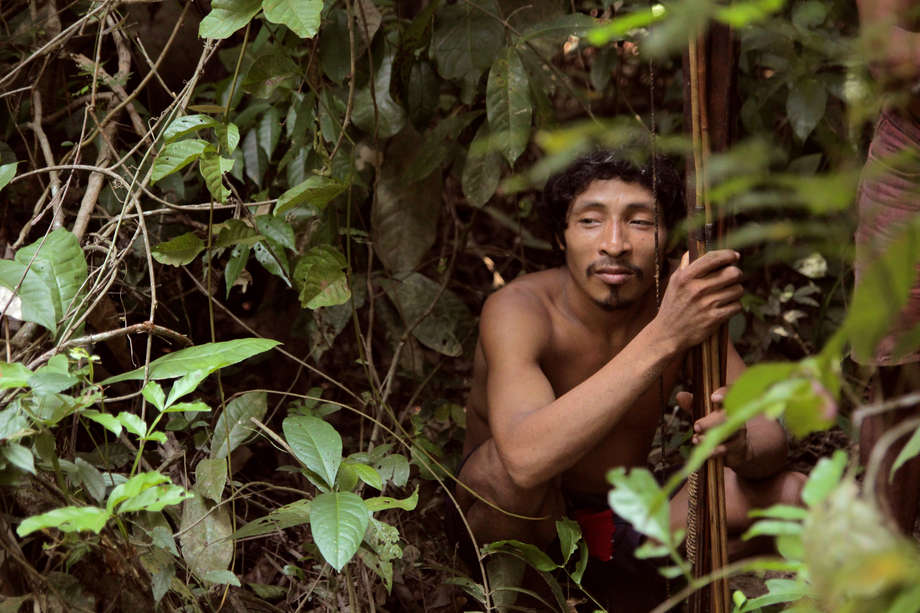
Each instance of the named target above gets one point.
<point>316,444</point>
<point>823,478</point>
<point>208,356</point>
<point>14,375</point>
<point>632,498</point>
<point>337,522</point>
<point>910,449</point>
<point>66,519</point>
<point>382,503</point>
<point>176,156</point>
<point>133,424</point>
<point>227,16</point>
<point>301,16</point>
<point>20,456</point>
<point>37,304</point>
<point>569,533</point>
<point>212,167</point>
<point>133,487</point>
<point>187,124</point>
<point>234,425</point>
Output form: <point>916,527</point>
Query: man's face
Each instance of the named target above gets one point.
<point>610,242</point>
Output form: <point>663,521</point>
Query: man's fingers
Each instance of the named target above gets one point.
<point>710,421</point>
<point>685,400</point>
<point>713,260</point>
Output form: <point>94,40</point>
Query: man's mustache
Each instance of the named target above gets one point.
<point>600,264</point>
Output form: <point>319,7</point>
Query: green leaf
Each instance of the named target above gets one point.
<point>235,232</point>
<point>235,265</point>
<point>275,228</point>
<point>582,564</point>
<point>569,533</point>
<point>211,477</point>
<point>185,385</point>
<point>206,537</point>
<point>269,131</point>
<point>466,38</point>
<point>58,260</point>
<point>911,449</point>
<point>395,469</point>
<point>383,503</point>
<point>273,259</point>
<point>91,479</point>
<point>53,377</point>
<point>743,14</point>
<point>780,511</point>
<point>228,135</point>
<point>271,72</point>
<point>20,457</point>
<point>558,29</point>
<point>133,487</point>
<point>824,478</point>
<point>533,554</point>
<point>316,191</point>
<point>772,527</point>
<point>209,357</point>
<point>320,274</point>
<point>445,325</point>
<point>37,302</point>
<point>482,170</point>
<point>754,382</point>
<point>187,124</point>
<point>287,516</point>
<point>805,105</point>
<point>153,499</point>
<point>221,577</point>
<point>179,251</point>
<point>14,375</point>
<point>778,591</point>
<point>109,422</point>
<point>316,444</point>
<point>212,168</point>
<point>376,112</point>
<point>255,161</point>
<point>154,394</point>
<point>301,16</point>
<point>633,497</point>
<point>338,522</point>
<point>176,156</point>
<point>133,424</point>
<point>234,425</point>
<point>189,407</point>
<point>66,519</point>
<point>508,104</point>
<point>7,172</point>
<point>226,17</point>
<point>616,28</point>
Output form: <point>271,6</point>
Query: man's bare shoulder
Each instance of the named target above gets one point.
<point>525,304</point>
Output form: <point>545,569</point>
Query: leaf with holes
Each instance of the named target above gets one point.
<point>316,444</point>
<point>338,522</point>
<point>187,124</point>
<point>508,104</point>
<point>234,425</point>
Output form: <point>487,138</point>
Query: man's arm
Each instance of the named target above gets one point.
<point>538,436</point>
<point>892,27</point>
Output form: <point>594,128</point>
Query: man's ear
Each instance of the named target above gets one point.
<point>560,243</point>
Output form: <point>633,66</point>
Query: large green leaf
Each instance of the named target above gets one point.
<point>234,425</point>
<point>66,519</point>
<point>206,537</point>
<point>275,228</point>
<point>37,304</point>
<point>508,104</point>
<point>467,37</point>
<point>633,497</point>
<point>7,172</point>
<point>58,260</point>
<point>301,16</point>
<point>404,217</point>
<point>316,444</point>
<point>338,522</point>
<point>824,478</point>
<point>446,325</point>
<point>178,251</point>
<point>176,156</point>
<point>805,105</point>
<point>272,72</point>
<point>212,167</point>
<point>320,273</point>
<point>482,170</point>
<point>316,191</point>
<point>269,131</point>
<point>227,16</point>
<point>209,357</point>
<point>13,375</point>
<point>187,124</point>
<point>211,477</point>
<point>377,113</point>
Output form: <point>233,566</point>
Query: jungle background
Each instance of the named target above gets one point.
<point>245,247</point>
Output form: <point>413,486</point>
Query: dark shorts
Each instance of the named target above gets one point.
<point>888,199</point>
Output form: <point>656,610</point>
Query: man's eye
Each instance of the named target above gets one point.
<point>587,221</point>
<point>643,222</point>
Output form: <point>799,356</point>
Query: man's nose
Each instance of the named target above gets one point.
<point>615,240</point>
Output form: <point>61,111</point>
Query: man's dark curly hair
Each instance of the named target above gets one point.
<point>562,188</point>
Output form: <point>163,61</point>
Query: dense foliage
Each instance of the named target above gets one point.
<point>245,249</point>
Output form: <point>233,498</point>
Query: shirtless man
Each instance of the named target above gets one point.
<point>567,369</point>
